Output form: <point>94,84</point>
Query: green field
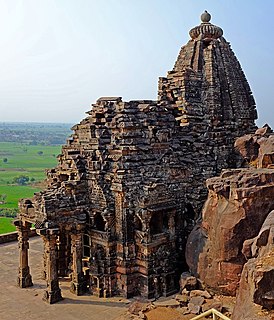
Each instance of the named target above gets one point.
<point>27,160</point>
<point>24,159</point>
<point>14,193</point>
<point>26,150</point>
<point>6,225</point>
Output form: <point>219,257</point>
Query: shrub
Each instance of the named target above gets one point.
<point>21,180</point>
<point>8,212</point>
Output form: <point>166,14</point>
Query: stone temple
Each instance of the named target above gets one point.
<point>130,181</point>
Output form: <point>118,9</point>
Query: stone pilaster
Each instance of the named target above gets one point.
<point>53,292</point>
<point>62,255</point>
<point>44,271</point>
<point>24,278</point>
<point>78,281</point>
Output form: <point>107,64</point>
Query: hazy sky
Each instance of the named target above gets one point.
<point>58,56</point>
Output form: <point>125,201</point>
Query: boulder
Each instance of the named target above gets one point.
<point>197,300</point>
<point>237,205</point>
<point>257,149</point>
<point>188,282</point>
<point>182,299</point>
<point>255,299</point>
<point>200,293</point>
<point>266,152</point>
<point>248,147</point>
<point>212,304</point>
<point>194,308</point>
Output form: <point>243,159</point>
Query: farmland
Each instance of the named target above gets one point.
<point>28,160</point>
<point>23,164</point>
<point>22,160</point>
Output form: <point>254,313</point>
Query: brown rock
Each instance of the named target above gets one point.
<point>185,292</point>
<point>188,282</point>
<point>182,299</point>
<point>246,250</point>
<point>237,205</point>
<point>183,310</point>
<point>201,293</point>
<point>136,307</point>
<point>167,303</point>
<point>257,149</point>
<point>257,280</point>
<point>248,147</point>
<point>265,130</point>
<point>197,300</point>
<point>266,152</point>
<point>194,308</point>
<point>142,315</point>
<point>212,304</point>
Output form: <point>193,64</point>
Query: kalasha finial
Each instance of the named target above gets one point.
<point>205,17</point>
<point>206,31</point>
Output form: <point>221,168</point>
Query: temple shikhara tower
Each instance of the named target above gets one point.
<point>130,181</point>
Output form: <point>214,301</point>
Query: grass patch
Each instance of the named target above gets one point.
<point>6,225</point>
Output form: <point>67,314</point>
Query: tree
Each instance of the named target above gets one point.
<point>5,160</point>
<point>3,198</point>
<point>21,180</point>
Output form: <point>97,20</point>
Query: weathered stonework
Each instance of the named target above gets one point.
<point>130,179</point>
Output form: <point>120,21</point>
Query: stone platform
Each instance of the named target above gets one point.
<point>16,303</point>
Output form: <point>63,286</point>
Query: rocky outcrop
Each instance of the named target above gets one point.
<point>266,153</point>
<point>257,281</point>
<point>237,206</point>
<point>257,149</point>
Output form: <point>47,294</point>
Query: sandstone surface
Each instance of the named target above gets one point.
<point>255,299</point>
<point>231,249</point>
<point>257,149</point>
<point>237,206</point>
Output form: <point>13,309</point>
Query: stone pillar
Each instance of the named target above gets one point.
<point>53,292</point>
<point>24,277</point>
<point>44,271</point>
<point>62,255</point>
<point>78,281</point>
